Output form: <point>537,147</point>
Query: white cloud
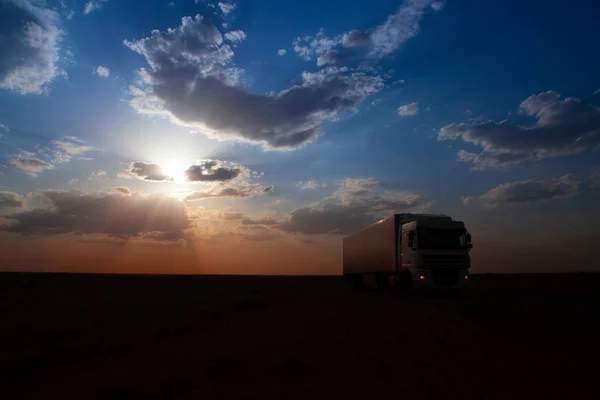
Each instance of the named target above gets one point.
<point>171,4</point>
<point>28,162</point>
<point>398,28</point>
<point>235,36</point>
<point>3,130</point>
<point>530,191</point>
<point>226,8</point>
<point>93,5</point>
<point>597,91</point>
<point>102,71</point>
<point>281,52</point>
<point>29,52</point>
<point>72,147</point>
<point>408,110</point>
<point>438,5</point>
<point>311,185</point>
<point>377,42</point>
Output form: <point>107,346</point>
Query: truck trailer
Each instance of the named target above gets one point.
<point>409,251</point>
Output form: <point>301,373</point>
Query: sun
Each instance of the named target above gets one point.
<point>174,169</point>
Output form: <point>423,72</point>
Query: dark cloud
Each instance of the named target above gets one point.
<point>29,46</point>
<point>595,176</point>
<point>356,204</point>
<point>212,171</point>
<point>121,189</point>
<point>259,221</point>
<point>530,191</point>
<point>148,172</point>
<point>562,127</point>
<point>241,190</point>
<point>191,80</point>
<point>104,213</point>
<point>10,199</point>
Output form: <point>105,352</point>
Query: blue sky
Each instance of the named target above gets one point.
<point>323,116</point>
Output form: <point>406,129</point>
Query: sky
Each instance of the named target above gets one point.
<point>248,137</point>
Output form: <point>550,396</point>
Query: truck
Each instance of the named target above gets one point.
<point>409,251</point>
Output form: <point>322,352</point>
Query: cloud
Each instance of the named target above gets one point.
<point>595,176</point>
<point>147,172</point>
<point>356,204</point>
<point>29,52</point>
<point>241,190</point>
<point>530,191</point>
<point>377,42</point>
<point>213,171</point>
<point>171,4</point>
<point>93,5</point>
<point>29,163</point>
<point>111,214</point>
<point>398,28</point>
<point>235,36</point>
<point>260,221</point>
<point>281,52</point>
<point>72,146</point>
<point>562,127</point>
<point>597,91</point>
<point>232,216</point>
<point>311,185</point>
<point>226,8</point>
<point>102,72</point>
<point>331,57</point>
<point>121,189</point>
<point>10,199</point>
<point>356,38</point>
<point>208,171</point>
<point>408,110</point>
<point>190,79</point>
<point>438,5</point>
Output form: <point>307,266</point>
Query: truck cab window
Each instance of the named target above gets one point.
<point>410,239</point>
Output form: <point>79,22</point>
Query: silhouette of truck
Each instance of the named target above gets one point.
<point>409,251</point>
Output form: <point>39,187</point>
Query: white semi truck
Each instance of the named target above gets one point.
<point>409,251</point>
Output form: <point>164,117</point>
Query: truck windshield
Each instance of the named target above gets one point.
<point>429,238</point>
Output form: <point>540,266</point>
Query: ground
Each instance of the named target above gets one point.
<point>110,336</point>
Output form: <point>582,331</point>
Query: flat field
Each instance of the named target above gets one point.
<point>221,337</point>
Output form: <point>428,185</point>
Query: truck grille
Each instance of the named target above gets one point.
<point>445,276</point>
<point>445,260</point>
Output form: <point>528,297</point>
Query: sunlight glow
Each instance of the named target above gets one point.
<point>174,168</point>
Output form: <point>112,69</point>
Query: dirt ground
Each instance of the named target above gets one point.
<point>94,336</point>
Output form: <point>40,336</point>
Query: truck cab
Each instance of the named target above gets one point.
<point>435,252</point>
